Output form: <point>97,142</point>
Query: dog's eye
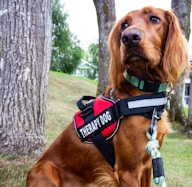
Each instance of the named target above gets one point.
<point>154,19</point>
<point>124,25</point>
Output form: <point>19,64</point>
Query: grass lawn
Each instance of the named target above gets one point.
<point>63,92</point>
<point>177,157</point>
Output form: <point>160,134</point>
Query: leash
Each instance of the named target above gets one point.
<point>153,144</point>
<point>152,149</point>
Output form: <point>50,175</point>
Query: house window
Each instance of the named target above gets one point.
<point>187,88</point>
<point>186,96</point>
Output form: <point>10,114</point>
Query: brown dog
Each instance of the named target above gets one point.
<point>146,44</point>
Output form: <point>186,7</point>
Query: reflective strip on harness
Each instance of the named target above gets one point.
<point>147,103</point>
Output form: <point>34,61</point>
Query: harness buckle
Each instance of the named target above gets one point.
<point>153,122</point>
<point>151,86</point>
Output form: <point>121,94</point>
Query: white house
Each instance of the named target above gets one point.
<point>84,69</point>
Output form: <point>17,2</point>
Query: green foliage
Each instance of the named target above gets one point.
<point>93,58</point>
<point>66,52</point>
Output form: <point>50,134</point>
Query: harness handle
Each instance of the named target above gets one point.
<point>81,105</point>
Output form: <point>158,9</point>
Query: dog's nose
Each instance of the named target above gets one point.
<point>131,37</point>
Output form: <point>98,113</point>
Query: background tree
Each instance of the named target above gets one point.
<point>25,53</point>
<point>66,52</point>
<point>183,10</point>
<point>105,17</point>
<point>93,58</point>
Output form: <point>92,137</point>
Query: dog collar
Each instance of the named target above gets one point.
<point>146,85</point>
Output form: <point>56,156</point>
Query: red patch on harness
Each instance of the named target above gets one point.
<point>98,117</point>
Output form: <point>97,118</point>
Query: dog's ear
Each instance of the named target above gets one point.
<point>175,59</point>
<point>115,65</point>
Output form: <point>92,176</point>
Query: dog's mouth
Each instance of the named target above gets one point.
<point>136,57</point>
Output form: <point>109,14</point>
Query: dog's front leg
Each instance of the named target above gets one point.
<point>146,178</point>
<point>128,179</point>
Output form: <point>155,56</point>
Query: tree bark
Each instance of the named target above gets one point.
<point>106,17</point>
<point>25,53</point>
<point>182,9</point>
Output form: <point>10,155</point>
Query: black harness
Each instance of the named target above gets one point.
<point>98,119</point>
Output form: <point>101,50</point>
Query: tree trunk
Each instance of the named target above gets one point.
<point>182,9</point>
<point>105,17</point>
<point>176,106</point>
<point>25,53</point>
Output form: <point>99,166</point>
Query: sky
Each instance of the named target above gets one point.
<point>82,19</point>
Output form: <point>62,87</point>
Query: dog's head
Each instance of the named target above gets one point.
<point>149,44</point>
